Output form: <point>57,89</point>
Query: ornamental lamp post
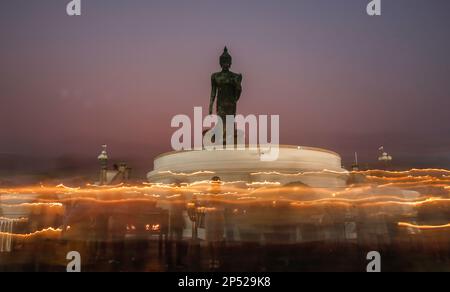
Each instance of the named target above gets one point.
<point>103,159</point>
<point>384,157</point>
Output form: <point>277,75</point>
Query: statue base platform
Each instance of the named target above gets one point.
<point>314,167</point>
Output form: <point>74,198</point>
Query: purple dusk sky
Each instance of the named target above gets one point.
<point>338,78</point>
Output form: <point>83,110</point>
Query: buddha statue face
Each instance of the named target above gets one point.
<point>225,66</point>
<point>225,60</point>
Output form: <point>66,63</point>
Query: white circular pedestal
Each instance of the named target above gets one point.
<point>310,166</point>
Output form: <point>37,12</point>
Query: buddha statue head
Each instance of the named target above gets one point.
<point>225,60</point>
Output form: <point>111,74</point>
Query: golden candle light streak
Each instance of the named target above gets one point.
<point>266,192</point>
<point>85,199</point>
<point>405,185</point>
<point>153,196</point>
<point>224,194</point>
<point>41,189</point>
<point>197,187</point>
<point>45,190</point>
<point>275,190</point>
<point>107,202</point>
<point>5,198</point>
<point>401,178</point>
<point>209,182</point>
<point>418,188</point>
<point>248,198</point>
<point>160,185</point>
<point>106,186</point>
<point>186,174</point>
<point>59,202</point>
<point>290,189</point>
<point>264,183</point>
<point>173,196</point>
<point>301,193</point>
<point>16,191</point>
<point>125,189</point>
<point>423,227</point>
<point>129,189</point>
<point>360,203</point>
<point>139,190</point>
<point>110,191</point>
<point>226,198</point>
<point>353,188</point>
<point>206,209</point>
<point>414,170</point>
<point>67,188</point>
<point>231,194</point>
<point>415,187</point>
<point>18,220</point>
<point>107,192</point>
<point>373,198</point>
<point>300,173</point>
<point>364,202</point>
<point>44,232</point>
<point>425,180</point>
<point>317,204</point>
<point>412,184</point>
<point>304,190</point>
<point>220,197</point>
<point>359,191</point>
<point>122,190</point>
<point>240,196</point>
<point>414,204</point>
<point>243,201</point>
<point>14,196</point>
<point>50,205</point>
